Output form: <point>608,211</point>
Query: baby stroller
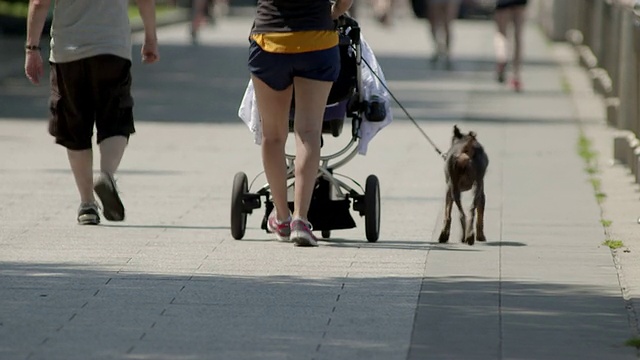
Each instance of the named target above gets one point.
<point>332,197</point>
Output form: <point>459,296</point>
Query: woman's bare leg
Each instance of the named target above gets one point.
<point>437,16</point>
<point>274,107</point>
<point>311,100</point>
<point>453,7</point>
<point>519,17</point>
<point>382,11</point>
<point>501,41</point>
<point>198,10</point>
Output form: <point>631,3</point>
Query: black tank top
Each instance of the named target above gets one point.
<point>292,15</point>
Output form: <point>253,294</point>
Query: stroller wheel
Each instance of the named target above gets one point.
<point>238,214</point>
<point>326,234</point>
<point>372,208</point>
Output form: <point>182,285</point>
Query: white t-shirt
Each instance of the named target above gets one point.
<point>85,28</point>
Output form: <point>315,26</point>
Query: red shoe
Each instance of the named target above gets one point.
<point>516,84</point>
<point>301,233</point>
<point>282,230</point>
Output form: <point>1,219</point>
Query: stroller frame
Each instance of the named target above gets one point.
<point>332,197</point>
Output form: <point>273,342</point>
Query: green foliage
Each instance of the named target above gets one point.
<point>20,8</point>
<point>14,8</point>
<point>585,151</point>
<point>613,244</point>
<point>634,342</point>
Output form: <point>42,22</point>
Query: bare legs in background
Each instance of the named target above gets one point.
<point>504,18</point>
<point>441,14</point>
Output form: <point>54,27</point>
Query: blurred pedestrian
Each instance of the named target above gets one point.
<point>440,15</point>
<point>383,11</point>
<point>90,62</point>
<point>201,13</point>
<point>293,50</point>
<point>509,13</point>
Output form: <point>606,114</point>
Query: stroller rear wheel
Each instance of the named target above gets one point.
<point>238,214</point>
<point>372,208</point>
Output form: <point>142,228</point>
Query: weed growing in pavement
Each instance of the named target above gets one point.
<point>565,85</point>
<point>590,157</point>
<point>635,342</point>
<point>613,244</point>
<point>586,152</point>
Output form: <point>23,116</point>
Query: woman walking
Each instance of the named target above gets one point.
<point>441,14</point>
<point>293,50</point>
<point>509,13</point>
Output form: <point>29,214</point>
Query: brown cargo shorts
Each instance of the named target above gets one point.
<point>87,92</point>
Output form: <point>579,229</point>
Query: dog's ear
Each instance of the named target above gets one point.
<point>472,134</point>
<point>456,132</point>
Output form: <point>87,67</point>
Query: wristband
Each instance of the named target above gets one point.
<point>32,47</point>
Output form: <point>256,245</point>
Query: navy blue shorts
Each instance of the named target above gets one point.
<point>278,70</point>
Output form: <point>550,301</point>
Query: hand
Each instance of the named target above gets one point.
<point>33,67</point>
<point>150,52</point>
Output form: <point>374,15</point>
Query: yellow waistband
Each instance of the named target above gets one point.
<point>296,42</point>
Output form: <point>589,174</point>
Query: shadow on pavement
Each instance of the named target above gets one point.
<point>486,318</point>
<point>56,309</point>
<point>452,245</point>
<point>205,84</point>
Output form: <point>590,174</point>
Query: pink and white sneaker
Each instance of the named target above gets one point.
<point>282,229</point>
<point>301,233</point>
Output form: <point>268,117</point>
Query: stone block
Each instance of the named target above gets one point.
<point>619,146</point>
<point>574,37</point>
<point>601,81</point>
<point>636,173</point>
<point>632,144</point>
<point>613,109</point>
<point>587,58</point>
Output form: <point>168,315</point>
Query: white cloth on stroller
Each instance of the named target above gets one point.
<point>371,86</point>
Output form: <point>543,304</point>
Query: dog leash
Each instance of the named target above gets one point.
<point>424,134</point>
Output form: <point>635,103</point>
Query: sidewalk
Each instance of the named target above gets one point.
<point>171,283</point>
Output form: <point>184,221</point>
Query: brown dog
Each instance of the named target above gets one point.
<point>465,166</point>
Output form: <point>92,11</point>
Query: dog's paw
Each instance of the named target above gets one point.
<point>444,237</point>
<point>481,238</point>
<point>470,240</point>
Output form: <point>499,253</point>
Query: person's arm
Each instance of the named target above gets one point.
<point>33,65</point>
<point>147,9</point>
<point>340,7</point>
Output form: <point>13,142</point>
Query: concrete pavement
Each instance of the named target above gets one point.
<point>171,283</point>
